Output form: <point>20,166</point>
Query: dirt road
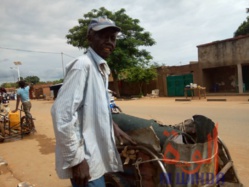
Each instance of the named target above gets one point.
<point>32,158</point>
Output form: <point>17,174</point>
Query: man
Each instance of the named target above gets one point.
<point>2,109</point>
<point>2,94</point>
<point>83,126</point>
<point>23,96</point>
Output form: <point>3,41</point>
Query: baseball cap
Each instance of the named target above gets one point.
<point>100,23</point>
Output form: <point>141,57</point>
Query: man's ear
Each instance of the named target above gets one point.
<point>90,36</point>
<point>89,39</point>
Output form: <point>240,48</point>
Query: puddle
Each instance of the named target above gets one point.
<point>47,145</point>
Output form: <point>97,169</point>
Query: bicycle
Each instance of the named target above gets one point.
<point>27,124</point>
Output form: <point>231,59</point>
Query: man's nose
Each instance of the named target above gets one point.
<point>109,39</point>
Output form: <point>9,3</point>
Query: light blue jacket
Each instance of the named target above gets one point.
<point>82,119</point>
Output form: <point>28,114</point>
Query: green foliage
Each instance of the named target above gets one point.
<point>128,52</point>
<point>132,36</point>
<point>8,85</point>
<point>52,82</point>
<point>243,29</point>
<point>32,79</point>
<point>58,81</point>
<point>140,74</point>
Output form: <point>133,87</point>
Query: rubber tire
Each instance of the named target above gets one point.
<point>119,108</point>
<point>116,110</point>
<point>26,128</point>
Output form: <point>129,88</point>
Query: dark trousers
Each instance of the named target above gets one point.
<point>100,182</point>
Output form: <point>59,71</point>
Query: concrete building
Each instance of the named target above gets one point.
<point>222,67</point>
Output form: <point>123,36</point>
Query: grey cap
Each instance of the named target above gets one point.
<point>100,23</point>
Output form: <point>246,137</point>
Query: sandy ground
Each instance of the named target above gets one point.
<point>31,159</point>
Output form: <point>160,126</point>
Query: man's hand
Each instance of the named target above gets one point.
<point>121,135</point>
<point>81,173</point>
<point>13,111</point>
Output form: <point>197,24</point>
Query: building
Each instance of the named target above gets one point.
<point>222,67</point>
<point>172,80</point>
<point>55,89</point>
<point>41,91</point>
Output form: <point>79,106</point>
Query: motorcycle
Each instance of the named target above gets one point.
<point>114,108</point>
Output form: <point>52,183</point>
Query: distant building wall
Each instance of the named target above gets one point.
<point>164,71</point>
<point>224,65</point>
<point>41,91</point>
<point>11,89</point>
<point>227,52</point>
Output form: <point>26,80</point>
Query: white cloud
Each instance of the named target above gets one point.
<point>177,27</point>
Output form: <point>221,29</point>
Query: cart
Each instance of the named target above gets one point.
<point>14,126</point>
<point>148,164</point>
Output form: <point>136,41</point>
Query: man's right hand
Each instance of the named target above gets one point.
<point>81,173</point>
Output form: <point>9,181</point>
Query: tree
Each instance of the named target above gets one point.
<point>8,85</point>
<point>32,79</point>
<point>243,29</point>
<point>128,52</point>
<point>58,81</point>
<point>52,82</point>
<point>140,75</point>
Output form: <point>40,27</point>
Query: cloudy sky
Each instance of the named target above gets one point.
<point>33,31</point>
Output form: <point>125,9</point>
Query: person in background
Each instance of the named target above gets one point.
<point>23,97</point>
<point>83,126</point>
<point>2,94</point>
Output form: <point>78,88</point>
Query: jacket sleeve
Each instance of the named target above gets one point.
<point>65,115</point>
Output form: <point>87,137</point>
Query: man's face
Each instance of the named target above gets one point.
<point>103,42</point>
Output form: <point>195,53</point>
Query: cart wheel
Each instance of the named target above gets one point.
<point>119,109</point>
<point>116,110</point>
<point>25,126</point>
